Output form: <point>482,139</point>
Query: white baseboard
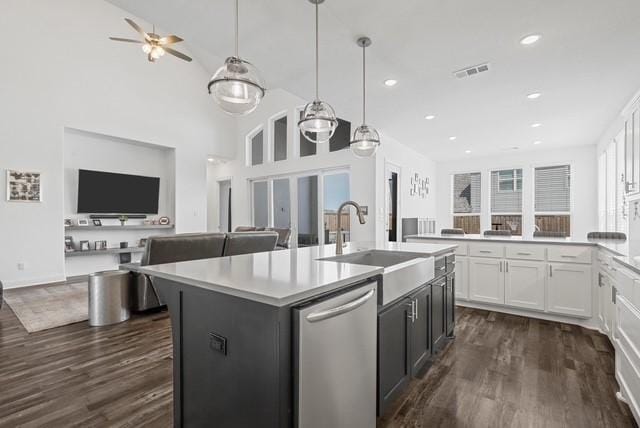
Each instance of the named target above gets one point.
<point>586,323</point>
<point>19,283</point>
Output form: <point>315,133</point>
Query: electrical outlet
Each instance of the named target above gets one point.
<point>21,265</point>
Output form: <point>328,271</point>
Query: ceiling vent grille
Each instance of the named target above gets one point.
<point>471,71</point>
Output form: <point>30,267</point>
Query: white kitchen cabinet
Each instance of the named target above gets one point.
<point>525,284</point>
<point>569,289</point>
<point>632,150</point>
<point>462,278</point>
<point>486,280</point>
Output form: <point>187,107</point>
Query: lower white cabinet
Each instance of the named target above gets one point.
<point>486,280</point>
<point>569,289</point>
<point>606,305</point>
<point>462,278</point>
<point>525,284</point>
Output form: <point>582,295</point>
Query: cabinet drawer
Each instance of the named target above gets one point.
<point>525,252</point>
<point>569,254</point>
<point>625,282</point>
<point>462,249</point>
<point>486,250</point>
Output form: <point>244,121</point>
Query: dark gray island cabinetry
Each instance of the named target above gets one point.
<point>277,339</point>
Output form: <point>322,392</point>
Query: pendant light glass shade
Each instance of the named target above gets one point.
<point>366,139</point>
<point>237,86</point>
<point>319,122</point>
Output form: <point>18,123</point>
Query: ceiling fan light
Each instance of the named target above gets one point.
<point>366,141</point>
<point>319,122</point>
<point>146,48</point>
<point>237,87</point>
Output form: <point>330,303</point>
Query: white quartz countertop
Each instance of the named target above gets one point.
<point>618,248</point>
<point>282,277</point>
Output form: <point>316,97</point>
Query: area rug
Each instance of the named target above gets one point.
<point>44,307</point>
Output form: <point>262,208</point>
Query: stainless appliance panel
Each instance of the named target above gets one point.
<point>335,376</point>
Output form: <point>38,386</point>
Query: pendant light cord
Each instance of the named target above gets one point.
<point>237,13</point>
<point>317,55</point>
<point>364,86</point>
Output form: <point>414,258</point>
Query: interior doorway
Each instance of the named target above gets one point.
<point>224,205</point>
<point>392,202</point>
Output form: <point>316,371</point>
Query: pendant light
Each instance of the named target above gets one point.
<point>366,140</point>
<point>237,86</point>
<point>318,122</point>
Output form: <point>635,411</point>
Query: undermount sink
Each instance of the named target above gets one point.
<point>403,271</point>
<point>374,258</point>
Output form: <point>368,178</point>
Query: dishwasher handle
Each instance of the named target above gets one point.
<point>347,307</point>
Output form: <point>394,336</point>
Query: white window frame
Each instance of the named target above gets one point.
<point>571,193</point>
<point>271,124</point>
<point>452,202</point>
<point>293,195</point>
<point>248,145</point>
<point>514,179</point>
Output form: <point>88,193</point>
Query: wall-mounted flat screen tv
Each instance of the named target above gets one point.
<point>102,192</point>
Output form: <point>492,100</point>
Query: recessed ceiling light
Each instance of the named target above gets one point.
<point>530,39</point>
<point>537,142</point>
<point>390,82</point>
<point>452,138</point>
<point>430,117</point>
<point>534,95</point>
<point>467,151</point>
<point>536,125</point>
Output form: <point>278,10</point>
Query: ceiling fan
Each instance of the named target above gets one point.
<point>154,45</point>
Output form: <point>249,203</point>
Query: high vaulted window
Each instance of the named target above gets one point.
<point>466,202</point>
<point>506,200</point>
<point>552,203</point>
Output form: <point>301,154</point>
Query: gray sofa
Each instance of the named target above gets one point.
<point>284,234</point>
<point>193,246</point>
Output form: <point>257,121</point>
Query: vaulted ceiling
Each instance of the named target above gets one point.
<point>587,64</point>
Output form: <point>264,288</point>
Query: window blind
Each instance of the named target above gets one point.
<point>466,193</point>
<point>506,191</point>
<point>553,189</point>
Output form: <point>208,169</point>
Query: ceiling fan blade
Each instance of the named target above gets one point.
<point>120,39</point>
<point>137,28</point>
<point>178,54</point>
<point>168,40</point>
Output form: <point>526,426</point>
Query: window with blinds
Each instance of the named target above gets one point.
<point>506,200</point>
<point>466,202</point>
<point>553,199</point>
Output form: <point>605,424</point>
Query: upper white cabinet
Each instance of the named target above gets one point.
<point>632,150</point>
<point>569,289</point>
<point>486,280</point>
<point>525,284</point>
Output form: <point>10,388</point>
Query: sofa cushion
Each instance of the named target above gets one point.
<point>183,247</point>
<point>250,242</point>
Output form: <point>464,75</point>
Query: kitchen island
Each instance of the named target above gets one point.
<point>290,338</point>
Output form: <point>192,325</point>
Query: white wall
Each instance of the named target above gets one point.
<point>583,185</point>
<point>367,175</point>
<point>86,150</point>
<point>65,73</point>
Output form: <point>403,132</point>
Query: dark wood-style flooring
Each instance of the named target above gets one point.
<point>501,371</point>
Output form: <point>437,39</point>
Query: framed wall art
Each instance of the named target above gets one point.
<point>23,186</point>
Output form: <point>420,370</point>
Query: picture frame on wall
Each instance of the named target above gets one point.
<point>24,186</point>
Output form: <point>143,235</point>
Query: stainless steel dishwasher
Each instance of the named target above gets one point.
<point>335,360</point>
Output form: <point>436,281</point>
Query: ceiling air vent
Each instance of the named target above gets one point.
<point>471,71</point>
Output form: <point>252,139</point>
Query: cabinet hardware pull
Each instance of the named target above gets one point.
<point>567,256</point>
<point>506,264</point>
<point>524,254</point>
<point>333,312</point>
<point>417,317</point>
<point>485,251</point>
<point>550,270</point>
<point>500,265</point>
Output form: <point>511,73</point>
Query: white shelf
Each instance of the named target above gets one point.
<point>126,227</point>
<point>78,253</point>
